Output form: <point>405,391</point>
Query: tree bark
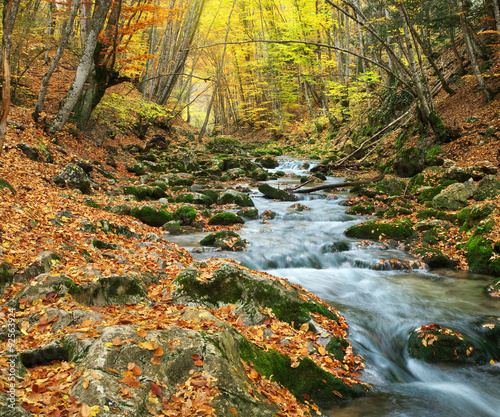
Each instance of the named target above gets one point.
<point>10,9</point>
<point>84,68</point>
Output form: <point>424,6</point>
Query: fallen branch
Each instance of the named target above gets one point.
<point>342,184</point>
<point>17,125</point>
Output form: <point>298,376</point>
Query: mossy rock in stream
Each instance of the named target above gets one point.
<point>275,194</point>
<point>434,343</point>
<point>268,161</point>
<point>234,197</point>
<point>434,258</point>
<point>249,213</point>
<point>225,219</point>
<point>307,380</point>
<point>400,230</point>
<point>225,239</point>
<point>494,289</point>
<point>151,216</point>
<point>361,209</point>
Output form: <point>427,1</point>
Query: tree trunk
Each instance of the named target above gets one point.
<point>488,93</point>
<point>66,34</point>
<point>496,12</point>
<point>84,68</point>
<point>10,9</point>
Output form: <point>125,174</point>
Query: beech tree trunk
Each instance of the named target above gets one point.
<point>84,68</point>
<point>66,34</point>
<point>10,9</point>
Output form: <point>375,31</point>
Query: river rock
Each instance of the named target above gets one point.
<point>275,194</point>
<point>399,230</point>
<point>248,213</point>
<point>225,240</point>
<point>225,219</point>
<point>268,161</point>
<point>433,343</point>
<point>151,215</point>
<point>494,289</point>
<point>73,176</point>
<point>455,196</point>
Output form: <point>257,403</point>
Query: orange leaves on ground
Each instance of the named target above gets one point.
<point>156,389</point>
<point>197,359</point>
<point>142,333</point>
<point>129,380</point>
<point>125,393</point>
<point>233,410</point>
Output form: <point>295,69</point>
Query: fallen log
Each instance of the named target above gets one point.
<point>17,125</point>
<point>340,185</point>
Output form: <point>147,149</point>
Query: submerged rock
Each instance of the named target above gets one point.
<point>275,194</point>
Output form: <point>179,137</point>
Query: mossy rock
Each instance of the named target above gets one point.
<point>436,214</point>
<point>434,258</point>
<point>260,174</point>
<point>488,188</point>
<point>391,186</point>
<point>478,251</point>
<point>6,274</point>
<point>434,343</point>
<point>470,217</point>
<point>223,144</point>
<point>455,196</point>
<point>225,219</point>
<point>361,209</point>
<point>268,161</point>
<point>100,244</point>
<point>336,247</point>
<point>307,380</point>
<point>151,216</point>
<point>184,181</point>
<point>400,230</point>
<point>234,197</point>
<point>91,203</point>
<point>107,227</point>
<point>173,228</point>
<point>231,284</point>
<point>248,213</point>
<point>140,193</point>
<point>409,162</point>
<point>137,169</point>
<point>194,198</point>
<point>275,194</point>
<point>427,194</point>
<point>225,240</point>
<point>212,194</point>
<point>186,215</point>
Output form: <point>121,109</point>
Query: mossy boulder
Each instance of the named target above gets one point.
<point>260,174</point>
<point>364,208</point>
<point>455,196</point>
<point>178,181</point>
<point>487,189</point>
<point>376,230</point>
<point>194,198</point>
<point>235,197</point>
<point>336,247</point>
<point>121,209</point>
<point>433,343</point>
<point>225,239</point>
<point>186,215</point>
<point>225,219</point>
<point>275,194</point>
<point>479,251</point>
<point>4,185</point>
<point>248,213</point>
<point>409,162</point>
<point>470,217</point>
<point>223,145</point>
<point>436,214</point>
<point>73,176</point>
<point>151,215</point>
<point>268,161</point>
<point>391,186</point>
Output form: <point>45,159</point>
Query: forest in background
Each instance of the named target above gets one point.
<point>243,65</point>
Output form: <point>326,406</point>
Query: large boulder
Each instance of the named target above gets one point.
<point>455,196</point>
<point>488,188</point>
<point>235,197</point>
<point>73,176</point>
<point>151,215</point>
<point>267,161</point>
<point>225,240</point>
<point>399,230</point>
<point>225,219</point>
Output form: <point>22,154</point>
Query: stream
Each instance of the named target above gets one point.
<point>381,306</point>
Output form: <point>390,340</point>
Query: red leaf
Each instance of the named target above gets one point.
<point>156,389</point>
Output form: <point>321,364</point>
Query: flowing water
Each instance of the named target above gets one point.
<point>381,306</point>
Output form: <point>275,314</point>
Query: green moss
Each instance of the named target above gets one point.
<point>151,216</point>
<point>362,209</point>
<point>430,193</point>
<point>176,181</point>
<point>137,169</point>
<point>337,347</point>
<point>214,237</point>
<point>434,258</point>
<point>5,185</point>
<point>242,200</point>
<point>275,194</point>
<point>470,217</point>
<point>225,219</point>
<point>479,250</point>
<point>307,379</point>
<point>100,244</point>
<point>91,203</point>
<point>436,214</point>
<point>252,214</point>
<point>185,214</point>
<point>400,230</point>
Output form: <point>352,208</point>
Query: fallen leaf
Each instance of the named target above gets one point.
<point>156,389</point>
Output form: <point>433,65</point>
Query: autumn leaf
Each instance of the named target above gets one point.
<point>95,375</point>
<point>158,351</point>
<point>156,389</point>
<point>156,360</point>
<point>233,410</point>
<point>129,379</point>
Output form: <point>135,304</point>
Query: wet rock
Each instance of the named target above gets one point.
<point>186,215</point>
<point>275,194</point>
<point>173,228</point>
<point>433,343</point>
<point>494,290</point>
<point>482,254</point>
<point>434,258</point>
<point>248,213</point>
<point>455,196</point>
<point>73,176</point>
